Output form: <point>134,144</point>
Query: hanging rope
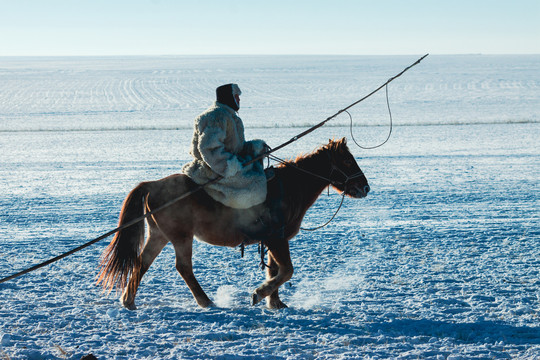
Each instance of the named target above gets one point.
<point>389,131</point>
<point>172,201</point>
<point>313,128</point>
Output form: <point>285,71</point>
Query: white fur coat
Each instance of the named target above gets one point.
<point>219,148</point>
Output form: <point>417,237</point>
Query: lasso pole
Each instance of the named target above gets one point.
<point>169,203</point>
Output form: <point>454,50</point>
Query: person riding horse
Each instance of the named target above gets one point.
<point>219,149</point>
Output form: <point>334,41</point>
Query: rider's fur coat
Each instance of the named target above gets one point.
<point>219,148</point>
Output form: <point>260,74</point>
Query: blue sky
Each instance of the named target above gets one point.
<point>167,27</point>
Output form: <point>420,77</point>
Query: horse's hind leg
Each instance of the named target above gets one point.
<point>155,243</point>
<point>183,249</point>
<point>282,258</point>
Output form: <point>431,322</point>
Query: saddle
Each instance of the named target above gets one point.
<point>269,222</point>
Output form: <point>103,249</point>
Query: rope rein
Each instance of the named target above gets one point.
<point>329,221</point>
<point>329,179</point>
<point>261,245</point>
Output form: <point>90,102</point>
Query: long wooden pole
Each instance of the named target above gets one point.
<point>183,196</point>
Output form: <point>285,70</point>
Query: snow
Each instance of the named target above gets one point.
<point>441,260</point>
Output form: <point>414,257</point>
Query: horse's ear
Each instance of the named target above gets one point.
<point>341,143</point>
<point>337,144</point>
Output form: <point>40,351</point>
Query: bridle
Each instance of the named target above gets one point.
<point>348,178</point>
<point>337,184</point>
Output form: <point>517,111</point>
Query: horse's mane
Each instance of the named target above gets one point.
<point>332,146</point>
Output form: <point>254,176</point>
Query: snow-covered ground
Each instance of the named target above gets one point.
<point>440,261</point>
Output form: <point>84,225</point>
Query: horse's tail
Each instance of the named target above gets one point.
<point>121,259</point>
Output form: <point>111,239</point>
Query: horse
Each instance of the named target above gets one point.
<point>294,187</point>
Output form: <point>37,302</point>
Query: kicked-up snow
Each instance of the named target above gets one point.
<point>440,261</point>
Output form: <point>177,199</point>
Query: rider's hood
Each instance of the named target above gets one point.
<point>225,95</point>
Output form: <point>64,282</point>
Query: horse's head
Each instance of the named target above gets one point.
<point>345,174</point>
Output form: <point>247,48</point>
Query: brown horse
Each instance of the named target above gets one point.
<point>294,188</point>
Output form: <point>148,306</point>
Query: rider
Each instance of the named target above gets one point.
<point>220,149</point>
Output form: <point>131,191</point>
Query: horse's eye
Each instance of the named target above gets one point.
<point>348,163</point>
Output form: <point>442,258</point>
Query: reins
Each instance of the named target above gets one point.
<point>199,187</point>
<point>329,221</point>
<point>328,179</point>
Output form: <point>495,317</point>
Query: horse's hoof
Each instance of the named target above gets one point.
<point>276,305</point>
<point>205,303</point>
<point>130,306</point>
<point>255,299</point>
<point>208,305</point>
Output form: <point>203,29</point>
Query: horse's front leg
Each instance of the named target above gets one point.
<point>280,271</point>
<point>273,301</point>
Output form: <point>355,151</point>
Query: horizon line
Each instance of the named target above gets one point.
<point>255,55</point>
